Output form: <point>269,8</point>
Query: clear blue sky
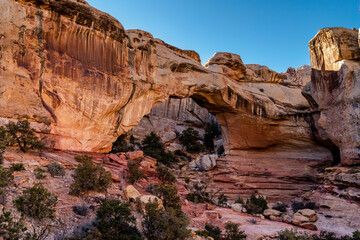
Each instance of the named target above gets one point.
<point>274,33</point>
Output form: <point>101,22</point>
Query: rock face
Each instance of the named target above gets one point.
<point>171,117</point>
<point>70,65</point>
<point>334,90</point>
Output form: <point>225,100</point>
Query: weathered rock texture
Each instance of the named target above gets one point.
<point>334,90</point>
<point>67,63</point>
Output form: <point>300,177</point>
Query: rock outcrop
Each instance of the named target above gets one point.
<point>334,90</point>
<point>69,65</point>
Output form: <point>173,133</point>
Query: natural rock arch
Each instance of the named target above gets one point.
<point>68,64</point>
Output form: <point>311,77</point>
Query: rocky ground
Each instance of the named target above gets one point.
<point>335,212</point>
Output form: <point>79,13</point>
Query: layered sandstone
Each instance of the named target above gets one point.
<point>67,63</point>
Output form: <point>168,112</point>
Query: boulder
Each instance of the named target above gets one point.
<point>309,225</point>
<point>237,207</point>
<point>208,162</point>
<point>131,193</point>
<point>309,213</point>
<point>271,212</point>
<point>144,199</point>
<point>299,219</point>
<point>135,154</point>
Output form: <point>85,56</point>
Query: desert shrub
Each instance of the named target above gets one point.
<point>280,207</point>
<point>167,193</point>
<point>199,194</point>
<point>153,147</point>
<point>37,202</point>
<point>165,174</point>
<point>293,234</point>
<point>17,167</point>
<point>39,173</point>
<point>239,200</point>
<point>6,178</point>
<point>232,232</point>
<point>89,177</point>
<point>212,131</point>
<point>56,169</point>
<point>256,205</point>
<point>190,139</point>
<point>121,145</point>
<point>134,169</point>
<point>4,142</point>
<point>296,206</point>
<point>164,223</point>
<point>115,221</point>
<point>23,136</point>
<point>187,180</point>
<point>81,210</point>
<point>222,200</point>
<point>210,231</point>
<point>167,158</point>
<point>11,228</point>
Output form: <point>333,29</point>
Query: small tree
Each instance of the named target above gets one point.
<point>10,228</point>
<point>115,221</point>
<point>37,202</point>
<point>56,169</point>
<point>210,231</point>
<point>89,176</point>
<point>222,200</point>
<point>167,193</point>
<point>165,174</point>
<point>6,178</point>
<point>134,169</point>
<point>23,136</point>
<point>256,205</point>
<point>121,145</point>
<point>232,232</point>
<point>164,224</point>
<point>4,141</point>
<point>212,131</point>
<point>190,139</point>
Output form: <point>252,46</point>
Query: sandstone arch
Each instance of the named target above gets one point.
<point>93,81</point>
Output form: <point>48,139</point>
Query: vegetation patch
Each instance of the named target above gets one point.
<point>89,176</point>
<point>56,169</point>
<point>134,169</point>
<point>190,139</point>
<point>37,202</point>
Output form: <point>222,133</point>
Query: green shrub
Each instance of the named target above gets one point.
<point>134,169</point>
<point>212,131</point>
<point>153,147</point>
<point>210,231</point>
<point>198,193</point>
<point>23,136</point>
<point>39,173</point>
<point>232,232</point>
<point>89,177</point>
<point>239,200</point>
<point>121,145</point>
<point>167,158</point>
<point>190,139</point>
<point>165,174</point>
<point>115,221</point>
<point>6,178</point>
<point>222,200</point>
<point>167,193</point>
<point>4,142</point>
<point>17,167</point>
<point>56,169</point>
<point>256,205</point>
<point>164,223</point>
<point>280,207</point>
<point>293,234</point>
<point>81,210</point>
<point>180,153</point>
<point>37,202</point>
<point>12,229</point>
